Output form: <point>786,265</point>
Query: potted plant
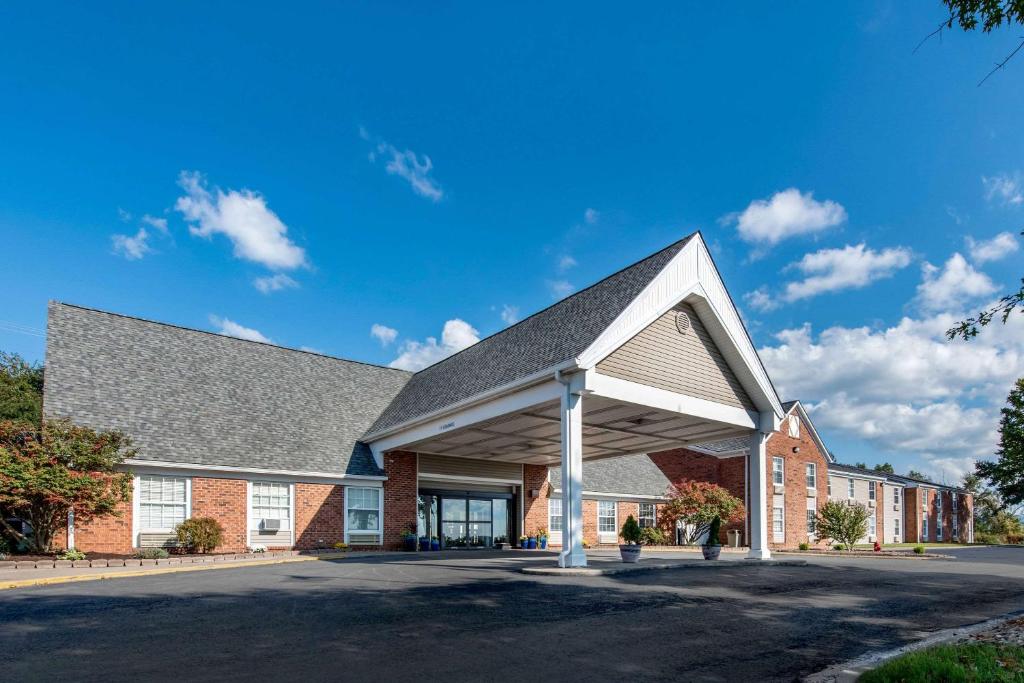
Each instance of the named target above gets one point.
<point>523,542</point>
<point>424,543</point>
<point>712,546</point>
<point>542,539</point>
<point>409,540</point>
<point>531,542</point>
<point>435,543</point>
<point>633,537</point>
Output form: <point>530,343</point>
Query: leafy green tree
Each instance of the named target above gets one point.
<point>45,472</point>
<point>697,504</point>
<point>1006,472</point>
<point>842,522</point>
<point>885,467</point>
<point>21,389</point>
<point>987,14</point>
<point>914,474</point>
<point>862,465</point>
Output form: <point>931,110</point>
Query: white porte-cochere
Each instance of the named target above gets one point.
<point>674,368</point>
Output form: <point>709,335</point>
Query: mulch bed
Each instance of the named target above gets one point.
<point>869,554</point>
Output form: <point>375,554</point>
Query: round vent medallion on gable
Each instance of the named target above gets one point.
<point>682,322</point>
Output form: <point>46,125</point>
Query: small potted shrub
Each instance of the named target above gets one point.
<point>531,542</point>
<point>712,548</point>
<point>633,537</point>
<point>409,540</point>
<point>523,542</point>
<point>542,539</point>
<point>435,543</point>
<point>424,543</point>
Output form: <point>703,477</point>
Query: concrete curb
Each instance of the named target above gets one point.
<point>640,567</point>
<point>73,578</point>
<point>862,556</point>
<point>849,671</point>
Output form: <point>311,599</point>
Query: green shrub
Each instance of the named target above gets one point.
<point>631,531</point>
<point>988,539</point>
<point>152,554</point>
<point>839,546</point>
<point>804,546</point>
<point>71,554</point>
<point>964,662</point>
<point>5,548</point>
<point>919,550</point>
<point>652,535</point>
<point>200,534</point>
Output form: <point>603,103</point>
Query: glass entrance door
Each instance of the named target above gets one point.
<point>473,522</point>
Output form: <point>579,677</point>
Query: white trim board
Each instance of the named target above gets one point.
<point>229,472</point>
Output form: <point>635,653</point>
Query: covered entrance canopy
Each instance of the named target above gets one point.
<point>651,358</point>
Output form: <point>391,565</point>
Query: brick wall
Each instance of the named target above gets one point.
<point>225,501</point>
<point>319,515</point>
<point>400,497</point>
<point>912,515</point>
<point>535,510</point>
<point>109,534</point>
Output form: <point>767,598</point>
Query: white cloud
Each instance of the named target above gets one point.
<point>761,300</point>
<point>565,263</point>
<point>158,223</point>
<point>591,216</point>
<point>999,247</point>
<point>243,216</point>
<point>384,334</point>
<point>785,214</point>
<point>509,314</point>
<point>1007,188</point>
<point>560,288</point>
<point>852,267</point>
<point>132,247</point>
<point>456,336</point>
<point>274,283</point>
<point>408,165</point>
<point>233,329</point>
<point>952,286</point>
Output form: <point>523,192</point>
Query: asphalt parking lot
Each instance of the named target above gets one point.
<point>473,617</point>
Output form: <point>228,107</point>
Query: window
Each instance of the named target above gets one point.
<point>812,475</point>
<point>896,529</point>
<point>955,499</point>
<point>794,427</point>
<point>956,531</point>
<point>924,529</point>
<point>896,495</point>
<point>938,531</point>
<point>606,517</point>
<point>830,486</point>
<point>872,526</point>
<point>924,500</point>
<point>646,515</point>
<point>272,500</point>
<point>812,521</point>
<point>778,525</point>
<point>871,490</point>
<point>777,470</point>
<point>555,515</point>
<point>163,502</point>
<point>938,502</point>
<point>849,488</point>
<point>362,509</point>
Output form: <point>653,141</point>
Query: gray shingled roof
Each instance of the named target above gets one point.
<point>194,397</point>
<point>630,474</point>
<point>554,335</point>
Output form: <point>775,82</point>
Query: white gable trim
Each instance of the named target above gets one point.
<point>814,432</point>
<point>691,275</point>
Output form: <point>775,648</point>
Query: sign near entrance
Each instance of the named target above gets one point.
<point>446,426</point>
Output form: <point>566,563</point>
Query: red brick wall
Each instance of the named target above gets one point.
<point>911,515</point>
<point>400,497</point>
<point>319,515</point>
<point>225,501</point>
<point>110,534</point>
<point>535,510</point>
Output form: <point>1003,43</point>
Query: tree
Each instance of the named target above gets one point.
<point>914,474</point>
<point>842,522</point>
<point>21,389</point>
<point>989,14</point>
<point>885,467</point>
<point>862,465</point>
<point>696,504</point>
<point>1006,472</point>
<point>47,471</point>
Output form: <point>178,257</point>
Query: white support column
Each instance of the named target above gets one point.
<point>757,463</point>
<point>572,554</point>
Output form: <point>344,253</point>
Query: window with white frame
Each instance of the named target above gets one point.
<point>956,531</point>
<point>778,524</point>
<point>272,500</point>
<point>794,427</point>
<point>872,525</point>
<point>606,517</point>
<point>938,502</point>
<point>830,486</point>
<point>924,529</point>
<point>896,529</point>
<point>849,488</point>
<point>896,495</point>
<point>362,509</point>
<point>778,467</point>
<point>938,530</point>
<point>163,502</point>
<point>871,490</point>
<point>955,498</point>
<point>812,475</point>
<point>924,500</point>
<point>555,515</point>
<point>812,521</point>
<point>646,515</point>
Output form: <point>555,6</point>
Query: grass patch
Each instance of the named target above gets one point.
<point>908,546</point>
<point>963,662</point>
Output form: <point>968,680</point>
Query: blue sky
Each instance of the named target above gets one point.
<point>451,168</point>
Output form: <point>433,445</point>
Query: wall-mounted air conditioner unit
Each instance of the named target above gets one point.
<point>871,503</point>
<point>270,525</point>
<point>896,507</point>
<point>778,488</point>
<point>812,493</point>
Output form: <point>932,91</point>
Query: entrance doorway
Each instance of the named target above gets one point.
<point>464,519</point>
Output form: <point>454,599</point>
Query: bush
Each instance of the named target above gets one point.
<point>652,535</point>
<point>201,534</point>
<point>842,522</point>
<point>5,548</point>
<point>804,546</point>
<point>71,554</point>
<point>919,550</point>
<point>839,546</point>
<point>1015,539</point>
<point>152,554</point>
<point>988,539</point>
<point>631,531</point>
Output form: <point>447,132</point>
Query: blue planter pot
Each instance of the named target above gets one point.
<point>435,544</point>
<point>531,543</point>
<point>410,543</point>
<point>424,544</point>
<point>543,543</point>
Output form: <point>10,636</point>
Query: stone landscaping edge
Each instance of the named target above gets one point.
<point>866,555</point>
<point>642,566</point>
<point>170,561</point>
<point>850,670</point>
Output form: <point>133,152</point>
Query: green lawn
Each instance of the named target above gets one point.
<point>907,546</point>
<point>964,662</point>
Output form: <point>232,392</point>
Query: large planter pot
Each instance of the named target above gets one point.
<point>543,542</point>
<point>435,544</point>
<point>410,543</point>
<point>711,552</point>
<point>531,543</point>
<point>630,553</point>
<point>424,544</point>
